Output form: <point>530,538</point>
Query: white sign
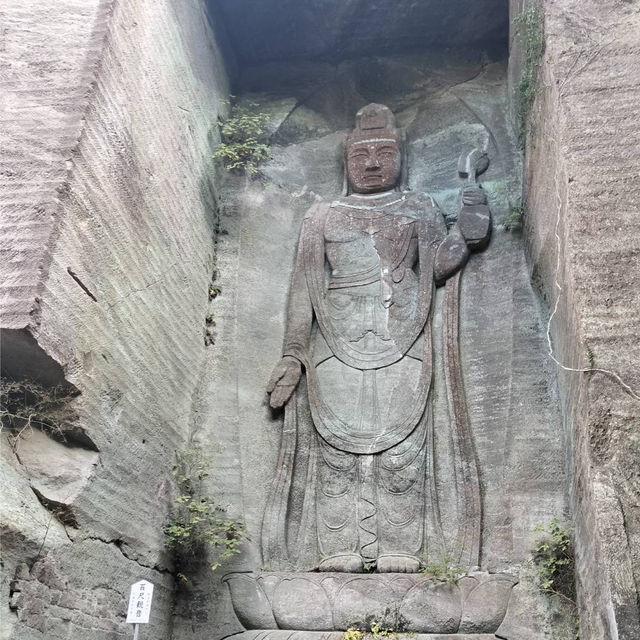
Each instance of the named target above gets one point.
<point>140,602</point>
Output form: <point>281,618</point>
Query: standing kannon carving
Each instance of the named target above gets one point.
<point>355,480</point>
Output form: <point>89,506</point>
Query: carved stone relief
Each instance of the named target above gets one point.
<point>354,507</point>
<point>477,603</point>
<point>359,324</point>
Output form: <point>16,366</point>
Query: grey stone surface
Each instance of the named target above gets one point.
<point>57,472</point>
<point>477,603</point>
<point>109,214</point>
<point>102,203</point>
<point>450,105</point>
<point>583,239</point>
<point>83,590</point>
<point>307,635</point>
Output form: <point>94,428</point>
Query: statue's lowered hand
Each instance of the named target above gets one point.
<point>283,381</point>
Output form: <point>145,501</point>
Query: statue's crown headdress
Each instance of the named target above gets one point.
<point>374,122</point>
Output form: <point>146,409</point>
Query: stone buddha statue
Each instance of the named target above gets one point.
<point>354,487</point>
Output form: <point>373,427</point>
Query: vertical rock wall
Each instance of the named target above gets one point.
<point>583,234</point>
<point>110,213</point>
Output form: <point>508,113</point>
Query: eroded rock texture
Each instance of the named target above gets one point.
<point>109,216</point>
<point>583,234</point>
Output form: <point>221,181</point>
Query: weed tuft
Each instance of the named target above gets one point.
<point>513,220</point>
<point>447,570</point>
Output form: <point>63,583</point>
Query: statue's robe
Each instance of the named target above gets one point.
<point>355,474</point>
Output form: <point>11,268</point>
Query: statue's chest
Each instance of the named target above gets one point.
<point>384,229</point>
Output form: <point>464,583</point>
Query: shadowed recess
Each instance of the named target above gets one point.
<point>333,30</point>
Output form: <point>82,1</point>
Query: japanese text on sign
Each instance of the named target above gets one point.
<point>140,602</point>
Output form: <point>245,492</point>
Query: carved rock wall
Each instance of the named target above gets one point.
<point>109,210</point>
<point>446,102</point>
<point>583,238</point>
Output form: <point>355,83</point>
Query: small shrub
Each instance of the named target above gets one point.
<point>513,219</point>
<point>554,560</point>
<point>197,523</point>
<point>447,571</point>
<point>379,631</point>
<point>353,634</point>
<point>244,146</point>
<point>530,26</point>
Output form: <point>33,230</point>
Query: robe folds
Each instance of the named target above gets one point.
<point>356,472</point>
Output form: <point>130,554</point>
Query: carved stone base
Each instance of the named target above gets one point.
<point>339,635</point>
<point>475,604</point>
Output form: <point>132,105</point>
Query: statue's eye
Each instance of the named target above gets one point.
<point>386,152</point>
<point>359,154</point>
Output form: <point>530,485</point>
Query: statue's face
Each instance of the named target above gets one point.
<point>373,165</point>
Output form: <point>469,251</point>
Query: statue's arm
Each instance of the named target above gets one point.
<point>471,232</point>
<point>287,373</point>
<point>299,310</point>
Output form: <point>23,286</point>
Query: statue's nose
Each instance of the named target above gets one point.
<point>372,162</point>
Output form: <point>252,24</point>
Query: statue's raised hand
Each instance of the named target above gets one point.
<point>283,381</point>
<point>473,194</point>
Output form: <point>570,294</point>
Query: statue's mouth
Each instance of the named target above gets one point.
<point>373,178</point>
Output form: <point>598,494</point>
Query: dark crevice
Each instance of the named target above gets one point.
<point>74,437</point>
<point>81,284</point>
<point>62,512</point>
<point>121,545</point>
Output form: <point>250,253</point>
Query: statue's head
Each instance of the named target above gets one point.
<point>372,151</point>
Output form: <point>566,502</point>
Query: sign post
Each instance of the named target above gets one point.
<point>139,605</point>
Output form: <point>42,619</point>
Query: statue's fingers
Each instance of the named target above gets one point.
<point>276,400</point>
<point>280,395</point>
<point>291,377</point>
<point>278,372</point>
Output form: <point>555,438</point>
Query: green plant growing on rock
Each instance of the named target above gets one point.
<point>447,570</point>
<point>353,634</point>
<point>244,144</point>
<point>529,25</point>
<point>513,220</point>
<point>378,630</point>
<point>591,357</point>
<point>197,524</point>
<point>555,565</point>
<point>554,560</point>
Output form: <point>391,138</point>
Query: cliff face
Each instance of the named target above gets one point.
<point>583,234</point>
<point>112,234</point>
<point>109,216</point>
